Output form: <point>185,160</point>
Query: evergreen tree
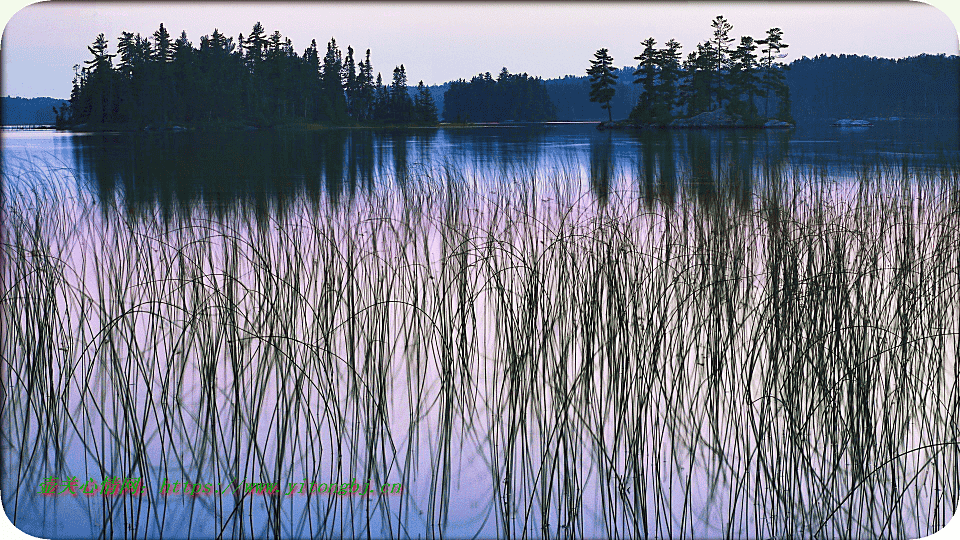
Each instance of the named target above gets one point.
<point>646,75</point>
<point>255,44</point>
<point>400,105</point>
<point>128,50</point>
<point>669,67</point>
<point>351,83</point>
<point>424,106</point>
<point>602,80</point>
<point>366,90</point>
<point>259,79</point>
<point>310,81</point>
<point>381,101</point>
<point>96,90</point>
<point>331,82</point>
<point>163,51</point>
<point>721,49</point>
<point>695,89</point>
<point>774,78</point>
<point>185,76</point>
<point>744,79</point>
<point>508,97</point>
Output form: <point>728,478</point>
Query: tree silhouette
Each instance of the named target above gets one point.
<point>400,105</point>
<point>425,109</point>
<point>774,78</point>
<point>602,80</point>
<point>646,75</point>
<point>744,78</point>
<point>720,41</point>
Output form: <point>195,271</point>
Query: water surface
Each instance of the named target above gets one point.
<point>536,330</point>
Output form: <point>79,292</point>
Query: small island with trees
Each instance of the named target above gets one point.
<point>718,85</point>
<point>253,81</point>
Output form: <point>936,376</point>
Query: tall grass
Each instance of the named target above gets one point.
<point>526,361</point>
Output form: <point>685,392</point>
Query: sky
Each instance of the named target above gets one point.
<point>438,42</point>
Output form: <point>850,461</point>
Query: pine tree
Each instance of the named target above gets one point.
<point>668,59</point>
<point>721,49</point>
<point>426,109</point>
<point>163,52</point>
<point>351,83</point>
<point>646,75</point>
<point>695,88</point>
<point>331,82</point>
<point>744,80</point>
<point>255,44</point>
<point>774,78</point>
<point>185,76</point>
<point>381,101</point>
<point>309,81</point>
<point>97,84</point>
<point>602,80</point>
<point>399,97</point>
<point>127,50</point>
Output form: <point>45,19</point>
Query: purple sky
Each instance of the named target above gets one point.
<point>438,42</point>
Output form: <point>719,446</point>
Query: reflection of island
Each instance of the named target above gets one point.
<point>172,173</point>
<point>716,168</point>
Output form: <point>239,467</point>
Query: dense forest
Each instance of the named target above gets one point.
<point>509,97</point>
<point>258,79</point>
<point>850,86</point>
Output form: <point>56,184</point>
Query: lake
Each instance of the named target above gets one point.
<point>533,330</point>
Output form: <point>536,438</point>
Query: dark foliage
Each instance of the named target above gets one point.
<point>833,87</point>
<point>255,80</point>
<point>603,80</point>
<point>516,97</point>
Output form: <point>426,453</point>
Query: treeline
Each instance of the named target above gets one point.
<point>516,97</point>
<point>745,79</point>
<point>19,111</point>
<point>258,79</point>
<point>571,97</point>
<point>851,86</point>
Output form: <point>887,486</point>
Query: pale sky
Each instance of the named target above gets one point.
<point>439,42</point>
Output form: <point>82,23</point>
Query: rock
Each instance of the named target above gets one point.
<point>709,119</point>
<point>846,122</point>
<point>777,124</point>
<point>616,124</point>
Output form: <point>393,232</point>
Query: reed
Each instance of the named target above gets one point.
<point>525,360</point>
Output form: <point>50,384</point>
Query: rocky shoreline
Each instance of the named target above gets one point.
<point>707,120</point>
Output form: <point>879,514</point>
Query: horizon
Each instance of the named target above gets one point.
<point>55,35</point>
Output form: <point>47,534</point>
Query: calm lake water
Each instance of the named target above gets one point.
<point>543,331</point>
<point>223,169</point>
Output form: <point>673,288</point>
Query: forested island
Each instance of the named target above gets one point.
<point>717,85</point>
<point>257,81</point>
